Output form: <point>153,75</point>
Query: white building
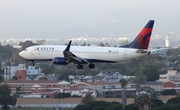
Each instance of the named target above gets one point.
<point>12,70</point>
<point>111,76</point>
<point>170,75</point>
<point>167,41</point>
<point>31,70</point>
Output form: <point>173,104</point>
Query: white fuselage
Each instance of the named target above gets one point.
<point>94,53</point>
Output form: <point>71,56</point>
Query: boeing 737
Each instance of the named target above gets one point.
<point>63,55</point>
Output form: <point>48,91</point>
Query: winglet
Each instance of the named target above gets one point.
<point>68,46</point>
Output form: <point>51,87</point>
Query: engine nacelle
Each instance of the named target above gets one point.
<point>59,61</point>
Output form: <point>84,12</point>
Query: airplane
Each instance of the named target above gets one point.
<point>63,55</point>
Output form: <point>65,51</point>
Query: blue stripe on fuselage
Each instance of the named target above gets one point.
<point>99,61</point>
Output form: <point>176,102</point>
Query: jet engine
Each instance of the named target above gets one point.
<point>60,61</point>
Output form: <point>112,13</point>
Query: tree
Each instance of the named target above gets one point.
<point>1,70</point>
<point>174,100</point>
<point>169,92</point>
<point>64,76</point>
<point>1,79</point>
<point>93,104</point>
<point>63,95</point>
<point>18,90</point>
<point>6,52</point>
<point>115,107</point>
<point>102,45</point>
<point>26,44</point>
<point>99,108</point>
<point>169,52</point>
<point>87,98</point>
<point>151,73</point>
<point>156,102</point>
<point>81,107</point>
<point>47,69</point>
<point>124,43</point>
<point>41,42</point>
<point>84,44</point>
<point>143,101</point>
<point>43,78</point>
<point>140,78</point>
<point>123,86</point>
<point>15,58</point>
<point>14,78</point>
<point>175,107</point>
<point>99,105</point>
<point>163,107</point>
<point>131,107</point>
<point>5,98</point>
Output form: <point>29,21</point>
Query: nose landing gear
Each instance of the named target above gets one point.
<point>91,66</point>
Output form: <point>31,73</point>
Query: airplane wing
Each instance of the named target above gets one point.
<point>72,57</point>
<point>162,50</point>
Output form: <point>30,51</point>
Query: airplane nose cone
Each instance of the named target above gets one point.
<point>21,54</point>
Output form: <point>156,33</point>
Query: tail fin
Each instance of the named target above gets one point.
<point>143,38</point>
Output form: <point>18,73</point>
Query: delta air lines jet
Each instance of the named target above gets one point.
<point>63,55</point>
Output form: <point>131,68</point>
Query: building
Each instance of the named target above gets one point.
<point>102,87</point>
<point>79,78</point>
<point>167,41</point>
<point>38,88</point>
<point>31,70</point>
<point>21,74</point>
<point>111,76</point>
<point>102,76</point>
<point>173,84</point>
<point>170,75</point>
<point>156,86</point>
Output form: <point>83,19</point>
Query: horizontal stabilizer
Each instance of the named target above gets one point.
<point>142,51</point>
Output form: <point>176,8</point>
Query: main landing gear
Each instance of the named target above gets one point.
<point>91,66</point>
<point>31,61</point>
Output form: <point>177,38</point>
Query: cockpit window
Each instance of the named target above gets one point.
<point>25,49</point>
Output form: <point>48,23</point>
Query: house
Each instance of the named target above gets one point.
<point>79,78</point>
<point>97,79</point>
<point>102,76</point>
<point>111,76</point>
<point>31,70</point>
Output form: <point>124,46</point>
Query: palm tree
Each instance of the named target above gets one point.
<point>123,86</point>
<point>143,102</point>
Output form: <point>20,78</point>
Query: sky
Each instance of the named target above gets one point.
<point>90,18</point>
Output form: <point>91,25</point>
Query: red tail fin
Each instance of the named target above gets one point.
<point>143,38</point>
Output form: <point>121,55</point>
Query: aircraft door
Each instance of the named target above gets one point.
<point>32,53</point>
<point>125,54</point>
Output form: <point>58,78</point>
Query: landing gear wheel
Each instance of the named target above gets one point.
<point>32,62</point>
<point>91,66</point>
<point>79,66</point>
